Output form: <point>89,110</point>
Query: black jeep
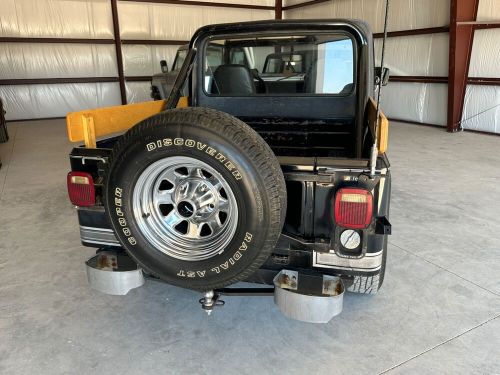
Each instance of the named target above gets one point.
<point>268,166</point>
<point>161,83</point>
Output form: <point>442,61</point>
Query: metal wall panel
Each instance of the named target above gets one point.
<point>418,102</point>
<point>485,58</point>
<point>50,60</point>
<point>138,92</point>
<point>143,60</point>
<point>92,19</point>
<point>269,3</point>
<point>418,55</point>
<point>482,108</point>
<point>488,10</point>
<point>55,100</point>
<point>177,22</point>
<point>61,18</point>
<point>404,14</point>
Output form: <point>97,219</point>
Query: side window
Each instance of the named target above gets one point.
<point>179,60</point>
<point>213,59</point>
<point>237,56</point>
<point>214,56</point>
<point>273,65</point>
<point>335,67</point>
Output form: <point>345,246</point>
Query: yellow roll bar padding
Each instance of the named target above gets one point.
<point>89,124</point>
<point>383,128</point>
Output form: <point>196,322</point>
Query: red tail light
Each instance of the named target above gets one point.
<point>81,189</point>
<point>353,208</point>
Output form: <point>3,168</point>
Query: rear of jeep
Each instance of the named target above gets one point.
<point>267,169</point>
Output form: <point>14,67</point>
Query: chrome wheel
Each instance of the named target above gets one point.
<point>185,208</point>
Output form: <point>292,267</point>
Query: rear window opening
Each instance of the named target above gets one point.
<point>321,64</point>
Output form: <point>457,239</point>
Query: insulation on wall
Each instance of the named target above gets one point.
<point>418,55</point>
<point>488,10</point>
<point>138,92</point>
<point>418,102</point>
<point>404,14</point>
<point>482,103</point>
<point>55,100</point>
<point>62,18</point>
<point>485,58</point>
<point>177,22</point>
<point>269,3</point>
<point>482,108</point>
<point>91,19</point>
<point>50,60</point>
<point>144,60</point>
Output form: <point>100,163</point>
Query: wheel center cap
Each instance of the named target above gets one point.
<point>185,209</point>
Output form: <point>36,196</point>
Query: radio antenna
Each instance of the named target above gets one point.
<point>374,150</point>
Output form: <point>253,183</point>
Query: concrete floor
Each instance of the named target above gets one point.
<point>438,311</point>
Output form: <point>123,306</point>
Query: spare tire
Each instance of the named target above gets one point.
<point>196,197</point>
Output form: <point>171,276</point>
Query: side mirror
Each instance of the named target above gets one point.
<point>382,76</point>
<point>164,66</point>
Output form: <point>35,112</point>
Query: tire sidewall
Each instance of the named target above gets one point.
<point>186,139</point>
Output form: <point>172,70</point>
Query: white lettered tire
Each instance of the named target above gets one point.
<point>196,197</point>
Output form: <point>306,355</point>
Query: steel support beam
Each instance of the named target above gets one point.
<point>206,4</point>
<point>118,47</point>
<point>278,9</point>
<point>462,15</point>
<point>304,4</point>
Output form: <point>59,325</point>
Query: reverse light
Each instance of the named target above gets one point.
<point>81,189</point>
<point>353,208</point>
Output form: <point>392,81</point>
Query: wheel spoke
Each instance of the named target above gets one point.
<point>223,204</point>
<point>173,219</point>
<point>215,183</point>
<point>170,175</point>
<point>162,197</point>
<point>206,199</point>
<point>194,230</point>
<point>195,172</point>
<point>215,223</point>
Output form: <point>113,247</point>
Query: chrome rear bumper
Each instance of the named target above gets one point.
<point>98,236</point>
<point>370,262</point>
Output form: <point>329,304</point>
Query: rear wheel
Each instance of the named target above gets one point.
<point>369,284</point>
<point>196,197</point>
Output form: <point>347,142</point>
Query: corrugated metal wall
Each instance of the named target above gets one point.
<point>482,103</point>
<point>168,21</point>
<point>425,56</point>
<point>417,55</point>
<point>92,19</point>
<point>82,75</point>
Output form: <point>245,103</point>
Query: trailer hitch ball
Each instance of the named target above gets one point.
<point>209,300</point>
